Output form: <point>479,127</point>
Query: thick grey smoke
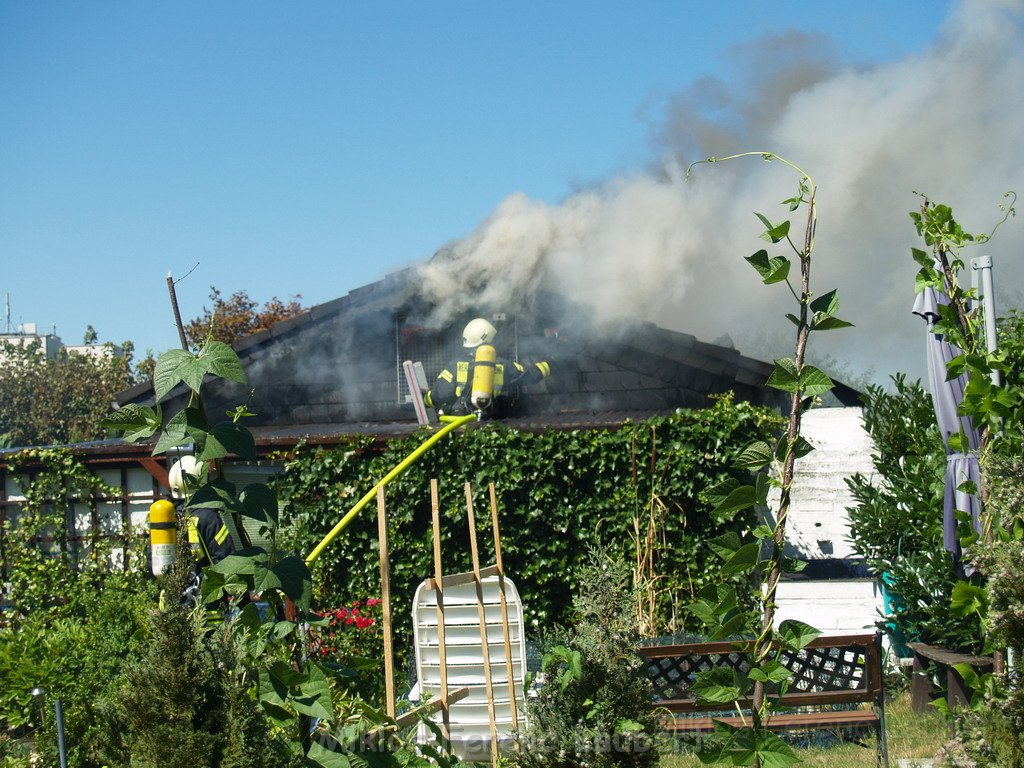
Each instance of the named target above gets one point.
<point>654,246</point>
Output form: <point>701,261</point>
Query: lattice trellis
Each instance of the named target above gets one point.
<point>840,668</point>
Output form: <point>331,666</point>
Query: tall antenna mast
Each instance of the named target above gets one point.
<point>8,330</point>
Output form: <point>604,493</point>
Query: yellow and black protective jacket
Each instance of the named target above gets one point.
<point>450,392</point>
<point>210,539</point>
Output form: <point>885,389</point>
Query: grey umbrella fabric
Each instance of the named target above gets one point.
<point>946,397</point>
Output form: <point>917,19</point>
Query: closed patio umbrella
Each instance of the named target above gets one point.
<point>946,397</point>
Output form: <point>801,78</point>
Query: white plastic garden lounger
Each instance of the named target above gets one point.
<point>469,718</point>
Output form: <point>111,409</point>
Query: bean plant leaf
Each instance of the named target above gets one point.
<point>178,366</point>
<point>319,755</point>
<point>720,685</point>
<point>827,304</point>
<point>219,359</point>
<point>137,422</point>
<point>739,499</point>
<point>228,437</point>
<point>174,367</point>
<point>186,426</point>
<point>795,635</point>
<point>314,695</point>
<point>770,671</point>
<point>823,323</point>
<point>814,382</point>
<point>771,269</point>
<point>784,376</point>
<point>755,456</point>
<point>259,502</point>
<point>774,752</point>
<point>923,258</point>
<point>295,580</point>
<point>216,494</point>
<point>720,492</point>
<point>773,232</point>
<point>743,559</point>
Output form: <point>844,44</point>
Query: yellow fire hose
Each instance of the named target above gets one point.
<point>452,422</point>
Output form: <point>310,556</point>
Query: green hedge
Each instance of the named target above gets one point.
<point>558,492</point>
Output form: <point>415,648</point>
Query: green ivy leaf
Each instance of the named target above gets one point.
<point>968,599</point>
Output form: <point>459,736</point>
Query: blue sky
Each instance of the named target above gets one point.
<point>312,148</point>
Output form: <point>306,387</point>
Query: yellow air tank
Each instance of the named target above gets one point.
<point>162,536</point>
<point>482,392</point>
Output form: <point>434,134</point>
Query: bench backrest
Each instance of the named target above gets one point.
<point>830,670</point>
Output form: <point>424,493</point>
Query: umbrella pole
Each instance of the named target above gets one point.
<point>982,274</point>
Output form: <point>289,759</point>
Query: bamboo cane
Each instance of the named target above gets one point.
<point>385,589</point>
<point>504,610</point>
<point>483,626</point>
<point>442,648</point>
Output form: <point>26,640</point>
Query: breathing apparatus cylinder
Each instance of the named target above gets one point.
<point>162,536</point>
<point>482,392</point>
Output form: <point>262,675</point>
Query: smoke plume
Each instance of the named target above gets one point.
<point>657,246</point>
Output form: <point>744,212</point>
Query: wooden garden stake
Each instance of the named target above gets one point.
<point>442,650</point>
<point>385,589</point>
<point>483,625</point>
<point>504,610</point>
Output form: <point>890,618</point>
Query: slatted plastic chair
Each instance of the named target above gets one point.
<point>469,719</point>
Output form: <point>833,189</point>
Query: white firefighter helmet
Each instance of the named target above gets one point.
<point>478,331</point>
<point>185,474</point>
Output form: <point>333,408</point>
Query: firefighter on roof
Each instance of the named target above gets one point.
<point>473,382</point>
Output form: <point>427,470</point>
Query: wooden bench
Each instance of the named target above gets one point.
<point>830,671</point>
<point>921,688</point>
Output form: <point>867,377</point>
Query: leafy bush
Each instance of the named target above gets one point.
<point>177,702</point>
<point>76,617</point>
<point>558,492</point>
<point>901,514</point>
<point>594,707</point>
<point>897,522</point>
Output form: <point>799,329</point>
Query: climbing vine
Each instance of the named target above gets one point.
<point>44,563</point>
<point>558,493</point>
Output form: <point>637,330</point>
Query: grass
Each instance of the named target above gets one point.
<point>910,735</point>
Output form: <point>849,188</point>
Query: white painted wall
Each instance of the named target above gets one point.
<point>818,523</point>
<point>836,606</point>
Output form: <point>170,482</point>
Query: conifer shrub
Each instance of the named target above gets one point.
<point>594,705</point>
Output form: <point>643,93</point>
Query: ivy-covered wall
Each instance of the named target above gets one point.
<point>557,493</point>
